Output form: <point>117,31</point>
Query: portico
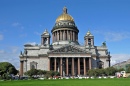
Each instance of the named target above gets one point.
<point>70,63</point>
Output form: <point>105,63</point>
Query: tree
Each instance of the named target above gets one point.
<point>7,69</point>
<point>128,70</point>
<point>99,72</point>
<point>38,72</point>
<point>31,72</point>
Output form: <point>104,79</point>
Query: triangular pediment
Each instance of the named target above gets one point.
<point>68,49</point>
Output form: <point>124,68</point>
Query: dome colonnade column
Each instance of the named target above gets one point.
<point>61,35</point>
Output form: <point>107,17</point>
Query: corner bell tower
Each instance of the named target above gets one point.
<point>89,39</point>
<point>45,38</point>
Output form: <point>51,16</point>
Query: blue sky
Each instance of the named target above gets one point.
<point>23,21</point>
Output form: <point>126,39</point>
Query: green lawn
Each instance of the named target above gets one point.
<point>69,82</point>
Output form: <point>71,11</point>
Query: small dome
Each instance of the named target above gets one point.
<point>89,34</point>
<point>46,32</point>
<point>65,16</point>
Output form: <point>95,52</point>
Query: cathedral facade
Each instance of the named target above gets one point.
<point>64,54</point>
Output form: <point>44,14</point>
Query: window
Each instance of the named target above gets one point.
<point>32,67</point>
<point>89,41</point>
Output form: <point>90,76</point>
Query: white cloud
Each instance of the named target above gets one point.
<point>17,25</point>
<point>14,49</point>
<point>116,58</point>
<point>32,43</point>
<point>12,56</point>
<point>2,51</point>
<point>1,37</point>
<point>23,35</point>
<point>37,33</point>
<point>40,25</point>
<point>116,36</point>
<point>113,36</point>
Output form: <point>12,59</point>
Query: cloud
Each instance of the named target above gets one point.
<point>32,43</point>
<point>116,58</point>
<point>2,51</point>
<point>23,35</point>
<point>113,36</point>
<point>37,33</point>
<point>14,49</point>
<point>1,37</point>
<point>116,36</point>
<point>12,56</point>
<point>40,25</point>
<point>17,25</point>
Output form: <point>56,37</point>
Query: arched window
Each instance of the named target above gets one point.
<point>45,41</point>
<point>89,41</point>
<point>33,67</point>
<point>100,64</point>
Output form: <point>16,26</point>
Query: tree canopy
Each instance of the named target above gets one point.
<point>8,68</point>
<point>36,72</point>
<point>107,71</point>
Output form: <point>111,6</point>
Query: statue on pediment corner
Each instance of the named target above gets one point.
<point>104,44</point>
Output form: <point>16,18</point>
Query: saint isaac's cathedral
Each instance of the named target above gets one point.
<point>64,54</point>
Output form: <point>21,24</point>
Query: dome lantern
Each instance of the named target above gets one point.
<point>65,10</point>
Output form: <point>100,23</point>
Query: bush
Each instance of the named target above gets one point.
<point>128,70</point>
<point>101,72</point>
<point>34,73</point>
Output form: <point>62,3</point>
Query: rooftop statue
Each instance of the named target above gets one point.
<point>104,44</point>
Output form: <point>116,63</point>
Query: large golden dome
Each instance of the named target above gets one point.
<point>65,16</point>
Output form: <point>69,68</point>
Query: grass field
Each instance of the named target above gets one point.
<point>69,82</point>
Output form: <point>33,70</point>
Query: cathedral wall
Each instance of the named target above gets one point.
<point>29,60</point>
<point>43,63</point>
<point>106,63</point>
<point>92,51</point>
<point>94,63</point>
<point>101,52</point>
<point>32,52</point>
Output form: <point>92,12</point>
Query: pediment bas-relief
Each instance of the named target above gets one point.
<point>69,49</point>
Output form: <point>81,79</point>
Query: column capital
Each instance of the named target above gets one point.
<point>22,60</point>
<point>54,57</point>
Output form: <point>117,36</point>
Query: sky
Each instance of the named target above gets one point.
<point>23,21</point>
